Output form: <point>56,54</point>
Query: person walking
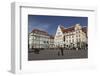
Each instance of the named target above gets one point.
<point>62,51</point>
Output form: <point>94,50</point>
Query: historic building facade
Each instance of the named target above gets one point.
<point>75,36</point>
<point>72,37</point>
<point>40,39</point>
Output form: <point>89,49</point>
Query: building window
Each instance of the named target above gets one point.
<point>69,41</point>
<point>79,40</point>
<point>73,41</point>
<point>79,31</point>
<point>76,40</point>
<point>44,42</point>
<point>72,36</point>
<point>34,37</point>
<point>64,38</point>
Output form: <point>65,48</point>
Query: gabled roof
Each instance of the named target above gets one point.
<point>41,32</point>
<point>71,29</point>
<point>37,31</point>
<point>66,30</point>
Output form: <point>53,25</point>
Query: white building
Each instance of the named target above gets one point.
<point>51,42</point>
<point>40,39</point>
<point>70,37</point>
<point>75,36</point>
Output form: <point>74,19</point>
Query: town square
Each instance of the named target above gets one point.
<point>48,40</point>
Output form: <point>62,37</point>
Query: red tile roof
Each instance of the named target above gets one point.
<point>71,29</point>
<point>66,30</point>
<point>37,31</point>
<point>40,32</point>
<point>84,29</point>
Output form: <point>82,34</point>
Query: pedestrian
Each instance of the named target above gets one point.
<point>62,52</point>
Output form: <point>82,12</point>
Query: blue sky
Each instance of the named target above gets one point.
<point>50,23</point>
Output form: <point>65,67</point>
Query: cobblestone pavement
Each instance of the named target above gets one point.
<point>47,54</point>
